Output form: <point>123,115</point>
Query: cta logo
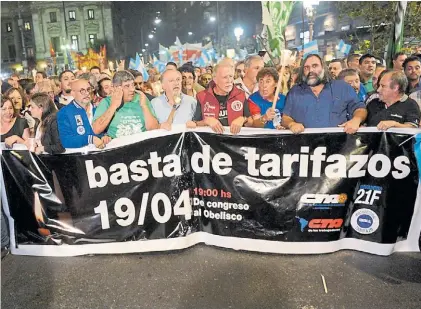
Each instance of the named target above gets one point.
<point>324,200</point>
<point>365,221</point>
<point>320,225</point>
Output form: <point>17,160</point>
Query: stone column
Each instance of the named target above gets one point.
<point>17,40</point>
<point>39,40</point>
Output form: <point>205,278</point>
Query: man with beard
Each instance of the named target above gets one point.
<point>252,66</point>
<point>367,67</point>
<point>125,112</point>
<point>318,102</point>
<point>64,97</point>
<point>351,77</point>
<point>75,119</point>
<point>393,108</point>
<point>412,69</point>
<point>223,104</point>
<point>173,107</point>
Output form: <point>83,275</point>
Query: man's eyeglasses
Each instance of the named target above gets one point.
<point>85,91</point>
<point>138,84</point>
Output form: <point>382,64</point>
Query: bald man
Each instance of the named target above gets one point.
<point>173,107</point>
<point>75,119</point>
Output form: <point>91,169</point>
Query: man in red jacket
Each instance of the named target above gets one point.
<point>222,104</point>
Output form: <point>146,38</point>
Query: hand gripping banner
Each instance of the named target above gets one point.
<point>267,191</point>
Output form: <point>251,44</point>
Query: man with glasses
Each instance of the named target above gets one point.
<point>138,83</point>
<point>125,112</point>
<point>75,119</point>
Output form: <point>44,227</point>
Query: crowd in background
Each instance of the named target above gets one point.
<point>77,108</point>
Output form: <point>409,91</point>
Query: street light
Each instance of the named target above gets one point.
<point>143,50</point>
<point>190,33</point>
<point>310,12</point>
<point>157,21</point>
<point>146,44</point>
<point>150,36</point>
<point>238,32</point>
<point>212,18</point>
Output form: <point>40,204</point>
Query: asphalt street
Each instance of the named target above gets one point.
<point>208,277</point>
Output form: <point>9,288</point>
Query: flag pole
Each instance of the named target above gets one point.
<point>285,60</point>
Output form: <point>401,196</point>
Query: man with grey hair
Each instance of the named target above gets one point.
<point>393,108</point>
<point>319,102</point>
<point>223,104</point>
<point>173,107</point>
<point>252,66</point>
<point>125,112</point>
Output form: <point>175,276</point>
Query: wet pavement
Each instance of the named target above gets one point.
<point>209,277</point>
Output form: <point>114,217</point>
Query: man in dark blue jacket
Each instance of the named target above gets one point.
<point>75,119</point>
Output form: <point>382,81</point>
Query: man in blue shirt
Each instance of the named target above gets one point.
<point>75,119</point>
<point>318,102</point>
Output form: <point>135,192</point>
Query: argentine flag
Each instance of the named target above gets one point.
<point>344,48</point>
<point>140,66</point>
<point>132,64</point>
<point>310,48</point>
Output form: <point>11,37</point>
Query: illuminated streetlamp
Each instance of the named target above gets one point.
<point>190,33</point>
<point>158,21</point>
<point>150,36</point>
<point>146,44</point>
<point>238,32</point>
<point>310,12</point>
<point>212,19</point>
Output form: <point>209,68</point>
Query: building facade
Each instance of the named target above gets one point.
<point>31,29</point>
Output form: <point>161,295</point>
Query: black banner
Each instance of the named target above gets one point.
<point>311,188</point>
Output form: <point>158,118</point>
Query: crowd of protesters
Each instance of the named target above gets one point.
<point>75,109</point>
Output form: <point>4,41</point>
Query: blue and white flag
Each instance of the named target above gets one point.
<point>160,65</point>
<point>344,48</point>
<point>180,55</point>
<point>140,66</point>
<point>164,54</point>
<point>310,48</point>
<point>178,42</point>
<point>132,64</point>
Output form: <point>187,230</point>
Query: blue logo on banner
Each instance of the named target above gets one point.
<point>303,223</point>
<point>365,221</point>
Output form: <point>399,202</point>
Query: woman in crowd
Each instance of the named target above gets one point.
<point>47,138</point>
<point>260,102</point>
<point>14,129</point>
<point>20,102</point>
<point>18,98</point>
